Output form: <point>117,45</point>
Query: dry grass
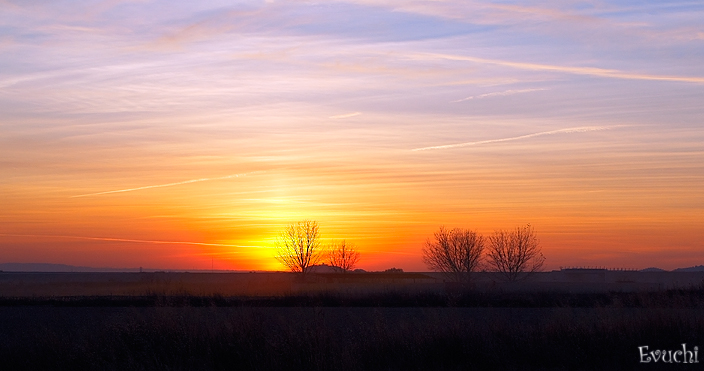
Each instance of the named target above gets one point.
<point>338,338</point>
<point>167,327</point>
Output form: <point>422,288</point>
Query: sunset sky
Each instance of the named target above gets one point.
<point>185,134</point>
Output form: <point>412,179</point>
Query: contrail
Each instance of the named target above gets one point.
<point>347,115</point>
<point>582,129</point>
<point>121,240</point>
<point>166,185</point>
<point>590,71</point>
<point>496,94</point>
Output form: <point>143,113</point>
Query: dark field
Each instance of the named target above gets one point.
<point>392,330</point>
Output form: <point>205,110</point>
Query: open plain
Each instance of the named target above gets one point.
<point>409,321</point>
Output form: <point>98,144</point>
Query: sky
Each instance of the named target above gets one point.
<point>188,134</point>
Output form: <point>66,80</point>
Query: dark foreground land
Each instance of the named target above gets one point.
<point>394,330</point>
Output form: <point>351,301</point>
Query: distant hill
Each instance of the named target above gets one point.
<point>47,267</point>
<point>698,268</point>
<point>653,269</point>
<point>60,268</point>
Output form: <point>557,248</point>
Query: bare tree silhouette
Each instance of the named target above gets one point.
<point>343,255</point>
<point>298,246</point>
<point>456,252</point>
<point>515,253</point>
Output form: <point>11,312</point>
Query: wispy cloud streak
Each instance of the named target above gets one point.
<point>120,240</point>
<point>496,94</point>
<point>166,185</point>
<point>582,129</point>
<point>346,115</point>
<point>591,71</point>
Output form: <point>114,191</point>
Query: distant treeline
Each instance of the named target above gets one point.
<point>674,298</point>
